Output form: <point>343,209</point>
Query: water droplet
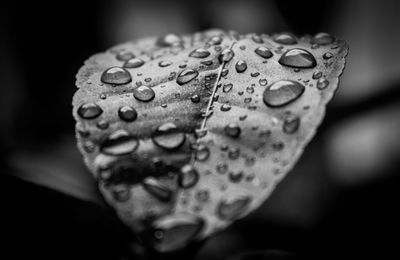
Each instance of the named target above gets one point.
<point>250,90</point>
<point>89,111</point>
<point>215,40</point>
<point>202,195</point>
<point>102,124</point>
<point>164,63</point>
<point>195,98</point>
<point>155,188</point>
<point>317,75</point>
<point>202,152</point>
<point>186,76</point>
<point>285,38</point>
<point>298,58</point>
<point>199,53</point>
<point>121,192</point>
<point>226,55</point>
<point>168,136</point>
<point>169,40</point>
<point>282,92</point>
<point>227,87</point>
<point>222,167</point>
<point>322,83</point>
<point>225,107</point>
<point>264,52</point>
<point>234,209</point>
<point>118,143</point>
<point>133,63</point>
<point>255,74</point>
<point>124,55</point>
<point>224,72</point>
<point>291,124</point>
<point>188,176</point>
<point>127,113</point>
<point>247,100</point>
<point>323,38</point>
<point>236,177</point>
<point>144,93</point>
<point>278,146</point>
<point>327,55</point>
<point>232,130</point>
<point>116,76</point>
<point>257,39</point>
<point>241,66</point>
<point>233,153</point>
<point>263,82</point>
<point>243,117</point>
<point>182,66</point>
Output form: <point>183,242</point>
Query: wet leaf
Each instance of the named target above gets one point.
<point>213,113</point>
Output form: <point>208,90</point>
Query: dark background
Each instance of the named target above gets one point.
<point>340,201</point>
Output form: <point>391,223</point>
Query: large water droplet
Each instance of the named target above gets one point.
<point>127,113</point>
<point>118,143</point>
<point>232,130</point>
<point>291,124</point>
<point>241,66</point>
<point>199,53</point>
<point>298,58</point>
<point>168,136</point>
<point>169,40</point>
<point>323,39</point>
<point>264,52</point>
<point>188,176</point>
<point>89,111</point>
<point>133,63</point>
<point>226,55</point>
<point>282,92</point>
<point>232,210</point>
<point>322,83</point>
<point>158,190</point>
<point>186,76</point>
<point>285,38</point>
<point>116,76</point>
<point>144,93</point>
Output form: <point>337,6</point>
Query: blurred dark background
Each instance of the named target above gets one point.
<point>341,200</point>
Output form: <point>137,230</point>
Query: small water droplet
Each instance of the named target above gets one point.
<point>188,176</point>
<point>322,83</point>
<point>241,66</point>
<point>263,82</point>
<point>225,107</point>
<point>257,39</point>
<point>278,146</point>
<point>226,55</point>
<point>169,40</point>
<point>89,111</point>
<point>199,53</point>
<point>224,72</point>
<point>247,100</point>
<point>144,93</point>
<point>159,191</point>
<point>285,38</point>
<point>121,192</point>
<point>127,113</point>
<point>215,40</point>
<point>291,124</point>
<point>222,167</point>
<point>255,74</point>
<point>195,98</point>
<point>116,76</point>
<point>264,52</point>
<point>236,177</point>
<point>327,55</point>
<point>118,143</point>
<point>227,87</point>
<point>168,136</point>
<point>133,63</point>
<point>317,75</point>
<point>164,63</point>
<point>298,58</point>
<point>243,117</point>
<point>202,152</point>
<point>124,55</point>
<point>233,153</point>
<point>232,130</point>
<point>323,38</point>
<point>102,124</point>
<point>234,209</point>
<point>186,76</point>
<point>250,90</point>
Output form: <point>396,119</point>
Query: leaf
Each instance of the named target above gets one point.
<point>186,134</point>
